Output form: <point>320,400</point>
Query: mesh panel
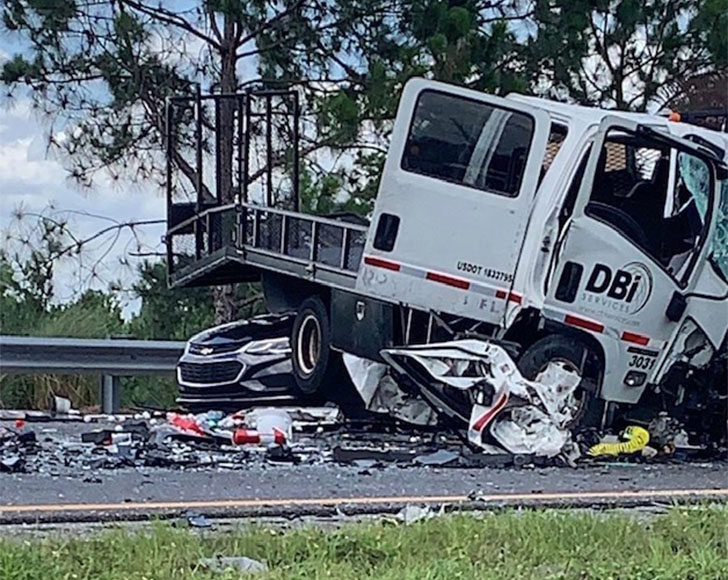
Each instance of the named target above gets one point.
<point>183,250</point>
<point>249,228</point>
<point>329,245</point>
<point>298,238</point>
<point>269,228</point>
<point>625,166</point>
<point>355,250</point>
<point>556,140</point>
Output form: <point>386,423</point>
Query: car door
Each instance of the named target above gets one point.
<point>634,247</point>
<point>454,201</point>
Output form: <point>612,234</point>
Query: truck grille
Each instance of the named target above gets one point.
<point>209,373</point>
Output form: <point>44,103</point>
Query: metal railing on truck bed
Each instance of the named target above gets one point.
<point>225,151</point>
<point>231,240</point>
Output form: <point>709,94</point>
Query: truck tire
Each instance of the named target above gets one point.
<point>311,346</point>
<point>319,372</point>
<point>566,349</point>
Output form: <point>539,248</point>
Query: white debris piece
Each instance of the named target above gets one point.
<point>236,563</point>
<point>524,417</point>
<point>381,394</point>
<point>412,513</point>
<point>268,420</point>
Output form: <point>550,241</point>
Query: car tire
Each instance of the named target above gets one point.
<point>556,347</point>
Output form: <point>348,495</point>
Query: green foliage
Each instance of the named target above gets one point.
<point>106,67</point>
<point>626,54</point>
<point>26,308</point>
<point>168,313</point>
<point>710,28</point>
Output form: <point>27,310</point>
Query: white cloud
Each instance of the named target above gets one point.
<point>32,179</point>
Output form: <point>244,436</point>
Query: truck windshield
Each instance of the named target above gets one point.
<point>696,178</point>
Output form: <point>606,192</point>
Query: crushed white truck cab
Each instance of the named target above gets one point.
<point>595,238</point>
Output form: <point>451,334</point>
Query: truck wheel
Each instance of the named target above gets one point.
<point>318,371</point>
<point>310,344</point>
<point>588,407</point>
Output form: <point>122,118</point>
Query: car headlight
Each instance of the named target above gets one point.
<point>273,346</point>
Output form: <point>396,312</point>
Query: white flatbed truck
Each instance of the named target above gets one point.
<point>594,237</point>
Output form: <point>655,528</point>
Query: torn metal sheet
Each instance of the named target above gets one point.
<point>381,393</point>
<point>522,416</point>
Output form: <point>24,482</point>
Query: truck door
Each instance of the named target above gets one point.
<point>454,201</point>
<point>635,246</point>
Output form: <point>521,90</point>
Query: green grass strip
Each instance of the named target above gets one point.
<point>684,544</point>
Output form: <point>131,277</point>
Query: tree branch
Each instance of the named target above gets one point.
<point>171,18</point>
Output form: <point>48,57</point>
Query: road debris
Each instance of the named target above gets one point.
<point>197,520</point>
<point>61,407</point>
<point>236,563</point>
<point>412,513</point>
<point>439,457</point>
<point>275,438</point>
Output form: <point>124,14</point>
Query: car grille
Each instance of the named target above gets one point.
<point>210,373</point>
<point>209,349</point>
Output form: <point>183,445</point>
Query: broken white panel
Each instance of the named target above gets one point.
<point>381,393</point>
<point>529,431</point>
<point>524,417</point>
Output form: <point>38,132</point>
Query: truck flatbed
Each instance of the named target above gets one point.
<point>236,241</point>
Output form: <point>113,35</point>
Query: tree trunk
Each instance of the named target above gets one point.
<point>224,296</point>
<point>226,308</point>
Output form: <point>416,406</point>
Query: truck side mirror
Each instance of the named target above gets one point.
<point>676,307</point>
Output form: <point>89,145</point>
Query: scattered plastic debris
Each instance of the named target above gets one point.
<point>236,563</point>
<point>282,437</point>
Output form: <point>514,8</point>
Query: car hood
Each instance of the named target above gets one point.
<point>242,332</point>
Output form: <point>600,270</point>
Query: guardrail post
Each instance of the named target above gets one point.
<point>110,394</point>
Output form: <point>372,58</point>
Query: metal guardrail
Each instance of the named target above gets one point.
<point>109,358</point>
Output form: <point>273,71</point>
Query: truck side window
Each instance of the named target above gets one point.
<point>468,142</point>
<point>655,196</point>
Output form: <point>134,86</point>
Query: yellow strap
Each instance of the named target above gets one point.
<point>637,440</point>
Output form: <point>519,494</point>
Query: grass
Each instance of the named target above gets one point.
<point>685,544</point>
<point>34,392</point>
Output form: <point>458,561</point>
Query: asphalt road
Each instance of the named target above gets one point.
<point>313,489</point>
<point>74,493</point>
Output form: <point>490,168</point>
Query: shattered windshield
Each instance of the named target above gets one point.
<point>719,241</point>
<point>695,176</point>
